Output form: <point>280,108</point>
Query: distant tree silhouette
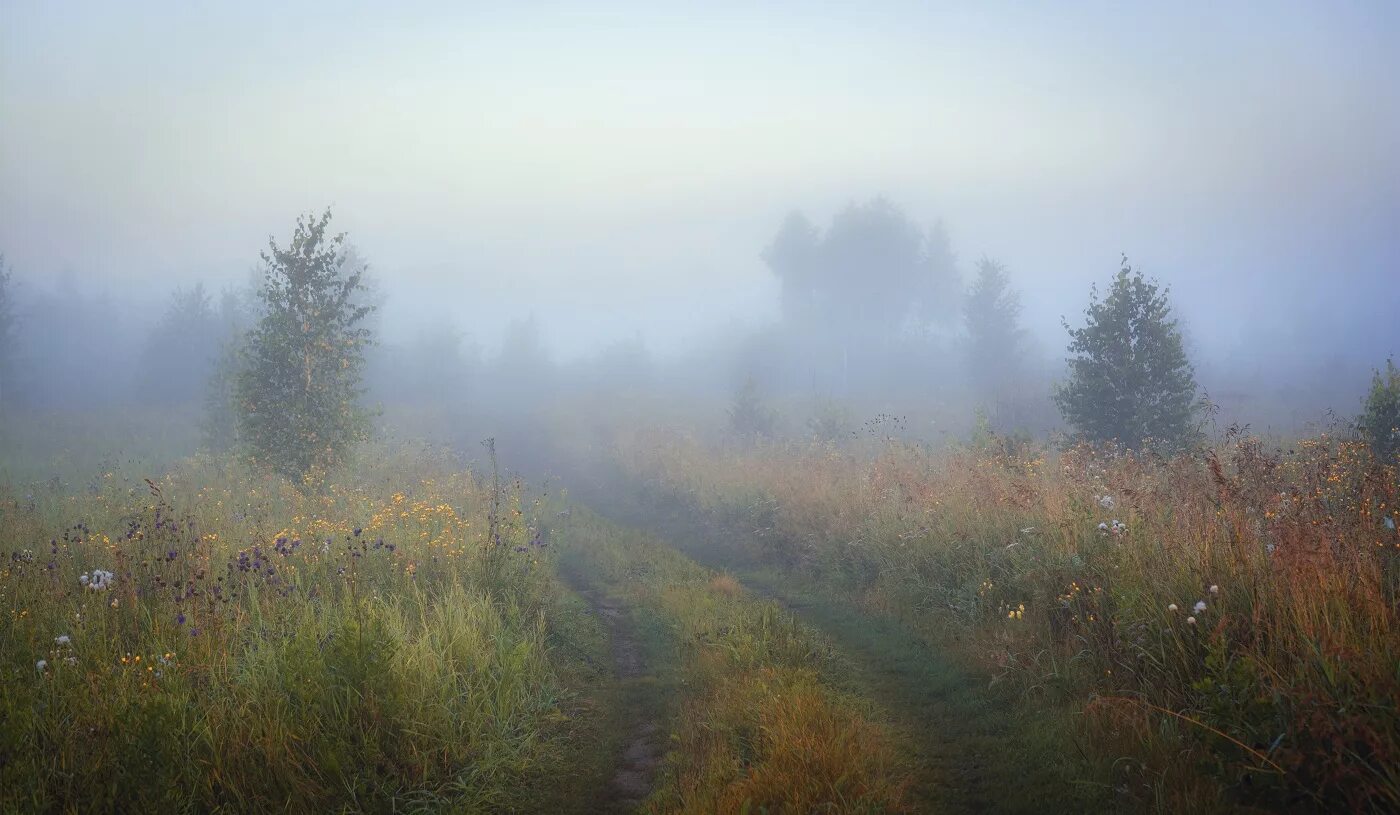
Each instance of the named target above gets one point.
<point>220,425</point>
<point>1129,378</point>
<point>871,274</point>
<point>749,417</point>
<point>793,256</point>
<point>995,340</point>
<point>9,331</point>
<point>180,351</point>
<point>298,387</point>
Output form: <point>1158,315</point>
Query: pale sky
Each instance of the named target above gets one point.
<point>619,170</point>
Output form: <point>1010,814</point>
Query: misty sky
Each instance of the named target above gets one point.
<point>619,170</point>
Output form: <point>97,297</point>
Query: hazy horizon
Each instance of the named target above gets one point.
<point>618,172</point>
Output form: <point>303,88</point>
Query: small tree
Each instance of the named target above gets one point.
<point>1380,417</point>
<point>299,384</point>
<point>1129,379</point>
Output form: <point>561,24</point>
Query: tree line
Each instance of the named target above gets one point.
<point>281,368</point>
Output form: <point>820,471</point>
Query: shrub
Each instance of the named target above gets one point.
<point>1380,416</point>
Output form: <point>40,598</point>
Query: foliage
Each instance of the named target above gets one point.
<point>298,386</point>
<point>219,425</point>
<point>750,418</point>
<point>258,648</point>
<point>1227,621</point>
<point>1129,379</point>
<point>830,421</point>
<point>1380,416</point>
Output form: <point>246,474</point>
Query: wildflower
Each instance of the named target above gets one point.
<point>71,660</point>
<point>41,665</point>
<point>1214,589</point>
<point>100,580</point>
<point>1105,501</point>
<point>1171,607</point>
<point>1200,606</point>
<point>1190,620</point>
<point>180,619</point>
<point>62,639</point>
<point>1103,527</point>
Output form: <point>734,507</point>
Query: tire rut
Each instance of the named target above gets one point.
<point>643,746</point>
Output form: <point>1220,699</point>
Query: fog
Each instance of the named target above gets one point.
<point>553,202</point>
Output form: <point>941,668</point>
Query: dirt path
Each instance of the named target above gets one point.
<point>642,735</point>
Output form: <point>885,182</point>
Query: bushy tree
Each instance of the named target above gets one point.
<point>1129,378</point>
<point>995,340</point>
<point>1380,416</point>
<point>9,331</point>
<point>299,384</point>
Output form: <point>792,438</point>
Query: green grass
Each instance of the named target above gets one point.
<point>1281,693</point>
<point>364,648</point>
<point>759,720</point>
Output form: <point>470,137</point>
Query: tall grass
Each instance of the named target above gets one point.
<point>256,647</point>
<point>1080,573</point>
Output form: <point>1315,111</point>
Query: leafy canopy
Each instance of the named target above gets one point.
<point>1129,378</point>
<point>1380,417</point>
<point>299,385</point>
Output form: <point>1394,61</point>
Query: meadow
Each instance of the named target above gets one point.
<point>407,636</point>
<point>1222,622</point>
<point>221,639</point>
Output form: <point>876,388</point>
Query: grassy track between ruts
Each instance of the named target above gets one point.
<point>758,706</point>
<point>979,751</point>
<point>972,747</point>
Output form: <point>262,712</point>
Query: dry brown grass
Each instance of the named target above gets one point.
<point>1294,658</point>
<point>726,585</point>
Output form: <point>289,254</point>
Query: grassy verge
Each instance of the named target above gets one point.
<point>1224,623</point>
<point>761,723</point>
<point>216,639</point>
